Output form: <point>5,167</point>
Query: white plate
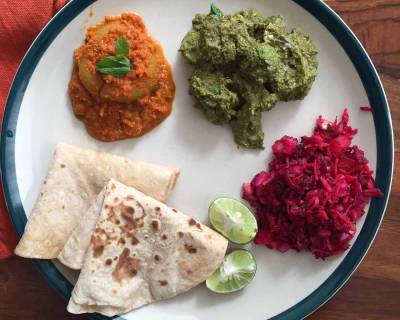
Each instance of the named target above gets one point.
<point>210,162</point>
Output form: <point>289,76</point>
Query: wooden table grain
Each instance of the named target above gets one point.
<point>373,292</point>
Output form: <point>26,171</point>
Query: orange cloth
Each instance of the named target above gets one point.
<point>20,22</point>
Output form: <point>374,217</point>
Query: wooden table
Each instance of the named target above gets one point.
<point>373,292</point>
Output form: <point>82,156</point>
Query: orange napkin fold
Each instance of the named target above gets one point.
<point>20,22</point>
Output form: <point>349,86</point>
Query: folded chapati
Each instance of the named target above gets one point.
<point>142,251</point>
<point>74,251</point>
<point>74,179</point>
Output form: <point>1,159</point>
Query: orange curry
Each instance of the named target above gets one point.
<point>120,107</point>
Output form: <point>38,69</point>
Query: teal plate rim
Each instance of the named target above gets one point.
<point>382,122</point>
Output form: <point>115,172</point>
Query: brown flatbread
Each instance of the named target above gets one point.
<point>74,179</point>
<point>142,251</point>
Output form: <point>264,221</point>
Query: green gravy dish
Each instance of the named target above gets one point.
<point>244,64</point>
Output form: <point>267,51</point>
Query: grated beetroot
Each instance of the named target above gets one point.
<point>314,191</point>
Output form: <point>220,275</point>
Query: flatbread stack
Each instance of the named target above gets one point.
<point>74,179</point>
<point>141,251</point>
<point>132,249</point>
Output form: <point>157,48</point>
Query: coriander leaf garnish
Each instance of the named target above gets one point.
<point>118,65</point>
<point>215,11</point>
<point>115,66</point>
<point>122,47</point>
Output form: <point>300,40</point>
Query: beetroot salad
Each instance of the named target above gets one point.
<point>314,191</point>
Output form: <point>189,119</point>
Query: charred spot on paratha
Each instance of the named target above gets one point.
<point>189,248</point>
<point>130,210</point>
<point>126,268</point>
<point>98,249</point>
<point>134,240</point>
<point>133,218</point>
<point>163,282</point>
<point>99,241</point>
<point>157,258</point>
<point>192,222</point>
<point>155,224</point>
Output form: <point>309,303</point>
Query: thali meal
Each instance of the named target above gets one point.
<point>244,64</point>
<point>314,191</point>
<point>142,251</point>
<point>74,179</point>
<point>121,85</point>
<point>104,214</point>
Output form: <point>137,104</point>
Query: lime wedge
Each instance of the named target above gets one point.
<point>233,220</point>
<point>236,271</point>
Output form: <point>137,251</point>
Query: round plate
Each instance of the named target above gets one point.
<point>38,115</point>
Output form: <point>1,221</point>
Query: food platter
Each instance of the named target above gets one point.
<point>287,286</point>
